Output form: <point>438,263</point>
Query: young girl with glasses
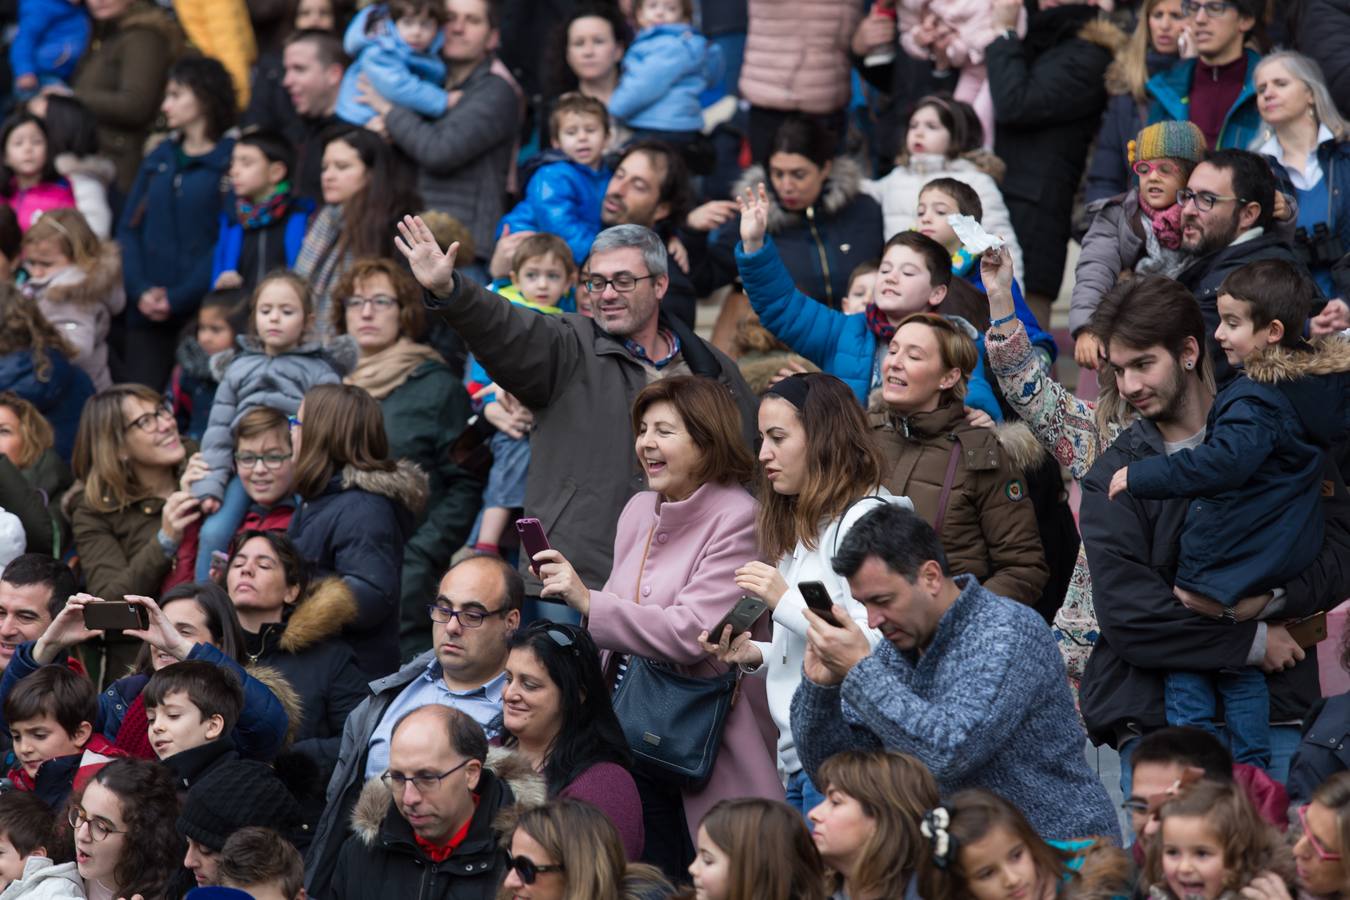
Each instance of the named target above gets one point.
<point>123,825</point>
<point>1139,231</point>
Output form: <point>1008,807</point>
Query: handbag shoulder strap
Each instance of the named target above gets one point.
<point>844,515</point>
<point>947,481</point>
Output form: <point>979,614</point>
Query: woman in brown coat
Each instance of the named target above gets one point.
<point>964,480</point>
<point>122,75</point>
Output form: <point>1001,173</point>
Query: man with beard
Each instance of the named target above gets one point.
<point>579,376</point>
<point>1153,335</point>
<point>1227,221</point>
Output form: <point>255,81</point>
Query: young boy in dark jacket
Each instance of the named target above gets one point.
<point>191,707</point>
<point>1256,522</point>
<point>266,226</point>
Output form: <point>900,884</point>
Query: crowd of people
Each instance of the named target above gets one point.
<point>714,449</point>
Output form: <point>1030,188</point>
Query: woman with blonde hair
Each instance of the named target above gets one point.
<point>569,850</point>
<point>755,849</point>
<point>867,828</point>
<point>359,507</point>
<point>35,363</point>
<point>32,476</point>
<point>1154,45</point>
<point>1308,143</point>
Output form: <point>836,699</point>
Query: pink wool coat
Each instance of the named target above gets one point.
<point>674,576</point>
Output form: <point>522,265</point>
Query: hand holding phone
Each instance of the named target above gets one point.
<point>740,617</point>
<point>818,600</point>
<point>115,615</point>
<point>532,539</point>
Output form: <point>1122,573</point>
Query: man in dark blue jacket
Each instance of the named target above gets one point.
<point>1154,335</point>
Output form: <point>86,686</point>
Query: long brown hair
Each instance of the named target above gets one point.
<point>24,328</point>
<point>771,851</point>
<point>343,427</point>
<point>712,420</point>
<point>100,448</point>
<point>894,790</point>
<point>843,463</point>
<point>1128,73</point>
<point>34,429</point>
<point>1250,844</point>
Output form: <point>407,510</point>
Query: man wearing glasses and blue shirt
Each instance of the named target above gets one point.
<point>1215,89</point>
<point>477,605</point>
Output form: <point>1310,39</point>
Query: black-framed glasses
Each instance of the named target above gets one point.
<point>529,870</point>
<point>1204,200</point>
<point>148,421</point>
<point>1212,8</point>
<point>273,461</point>
<point>98,829</point>
<point>397,781</point>
<point>443,613</point>
<point>623,282</point>
<point>381,302</point>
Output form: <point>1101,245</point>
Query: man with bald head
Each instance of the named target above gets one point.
<point>424,827</point>
<point>477,604</point>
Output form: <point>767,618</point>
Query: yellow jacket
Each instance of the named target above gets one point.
<point>221,30</point>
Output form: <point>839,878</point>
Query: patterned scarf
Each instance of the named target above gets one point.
<point>878,324</point>
<point>1166,223</point>
<point>260,215</point>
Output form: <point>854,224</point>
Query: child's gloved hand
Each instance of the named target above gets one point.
<point>1120,483</point>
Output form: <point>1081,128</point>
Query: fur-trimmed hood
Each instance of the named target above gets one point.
<point>88,287</point>
<point>1326,356</point>
<point>286,695</point>
<point>406,484</point>
<point>1315,378</point>
<point>1104,33</point>
<point>526,785</point>
<point>1024,451</point>
<point>843,184</point>
<point>321,614</point>
<point>99,168</point>
<point>978,160</point>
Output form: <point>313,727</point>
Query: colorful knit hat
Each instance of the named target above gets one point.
<point>1169,140</point>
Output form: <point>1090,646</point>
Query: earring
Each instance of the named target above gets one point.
<point>1190,364</point>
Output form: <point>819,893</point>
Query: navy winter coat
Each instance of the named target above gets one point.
<point>355,530</point>
<point>169,226</point>
<point>1255,520</point>
<point>1109,171</point>
<point>59,394</point>
<point>1334,158</point>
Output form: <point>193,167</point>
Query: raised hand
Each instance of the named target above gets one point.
<point>66,630</point>
<point>754,217</point>
<point>160,633</point>
<point>996,269</point>
<point>433,269</point>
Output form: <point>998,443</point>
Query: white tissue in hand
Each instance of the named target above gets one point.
<point>972,234</point>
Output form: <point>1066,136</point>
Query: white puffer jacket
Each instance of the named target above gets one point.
<point>898,194</point>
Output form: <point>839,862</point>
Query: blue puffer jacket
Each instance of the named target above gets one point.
<point>51,38</point>
<point>664,71</point>
<point>400,74</point>
<point>169,226</point>
<point>59,396</point>
<point>1171,93</point>
<point>562,198</point>
<point>841,344</point>
<point>1255,521</point>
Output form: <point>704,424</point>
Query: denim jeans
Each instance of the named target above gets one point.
<point>218,528</point>
<point>1246,707</point>
<point>802,794</point>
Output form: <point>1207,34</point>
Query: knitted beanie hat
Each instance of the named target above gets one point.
<point>1169,140</point>
<point>233,796</point>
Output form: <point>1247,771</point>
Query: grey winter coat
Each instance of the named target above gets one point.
<point>43,879</point>
<point>986,705</point>
<point>464,154</point>
<point>251,379</point>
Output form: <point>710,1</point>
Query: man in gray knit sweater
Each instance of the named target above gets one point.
<point>968,682</point>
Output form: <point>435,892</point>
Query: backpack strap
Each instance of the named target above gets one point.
<point>947,481</point>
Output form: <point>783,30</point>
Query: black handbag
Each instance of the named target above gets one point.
<point>674,722</point>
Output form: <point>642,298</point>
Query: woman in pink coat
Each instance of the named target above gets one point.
<point>676,552</point>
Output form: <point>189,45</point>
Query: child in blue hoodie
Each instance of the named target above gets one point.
<point>397,47</point>
<point>564,193</point>
<point>51,38</point>
<point>664,71</point>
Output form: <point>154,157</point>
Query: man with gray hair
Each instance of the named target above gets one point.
<point>579,376</point>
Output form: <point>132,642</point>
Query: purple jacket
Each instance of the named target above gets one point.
<point>674,576</point>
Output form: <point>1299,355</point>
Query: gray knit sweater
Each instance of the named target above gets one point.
<point>986,705</point>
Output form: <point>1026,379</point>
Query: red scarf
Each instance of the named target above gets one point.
<point>1166,223</point>
<point>878,324</point>
<point>439,853</point>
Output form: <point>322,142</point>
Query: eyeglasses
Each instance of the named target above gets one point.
<point>148,421</point>
<point>1135,805</point>
<point>98,829</point>
<point>381,302</point>
<point>293,421</point>
<point>622,282</point>
<point>1212,8</point>
<point>1204,201</point>
<point>1143,168</point>
<point>273,461</point>
<point>469,618</point>
<point>397,781</point>
<point>1322,852</point>
<point>528,869</point>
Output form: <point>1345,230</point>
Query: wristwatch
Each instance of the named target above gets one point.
<point>1229,615</point>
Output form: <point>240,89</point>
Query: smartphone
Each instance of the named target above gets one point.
<point>818,600</point>
<point>115,615</point>
<point>532,539</point>
<point>1310,631</point>
<point>741,617</point>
